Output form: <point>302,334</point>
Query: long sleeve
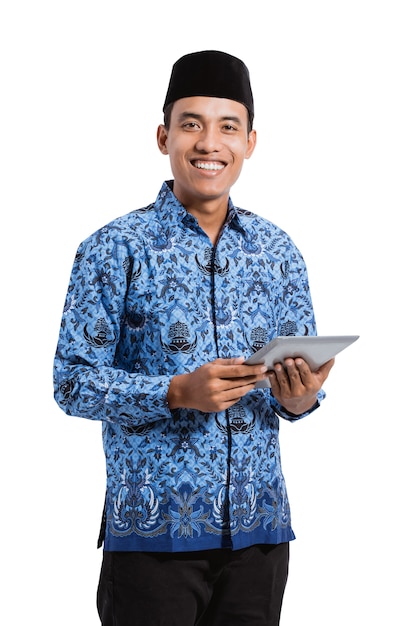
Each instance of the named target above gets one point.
<point>87,380</point>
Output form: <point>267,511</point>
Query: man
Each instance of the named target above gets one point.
<point>164,306</point>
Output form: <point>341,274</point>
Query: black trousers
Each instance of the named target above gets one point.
<point>208,588</point>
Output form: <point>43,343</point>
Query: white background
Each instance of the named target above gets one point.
<point>83,84</point>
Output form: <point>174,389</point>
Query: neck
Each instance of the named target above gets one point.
<point>210,214</point>
<point>210,221</point>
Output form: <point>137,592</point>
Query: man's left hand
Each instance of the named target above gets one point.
<point>295,386</point>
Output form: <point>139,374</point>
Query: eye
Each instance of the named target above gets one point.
<point>190,126</point>
<point>229,128</point>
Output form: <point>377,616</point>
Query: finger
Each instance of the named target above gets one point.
<point>243,371</point>
<point>304,372</point>
<point>233,395</point>
<point>273,382</point>
<point>238,360</point>
<point>293,375</point>
<point>281,378</point>
<point>244,382</point>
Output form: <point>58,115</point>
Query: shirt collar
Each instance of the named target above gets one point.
<point>171,211</point>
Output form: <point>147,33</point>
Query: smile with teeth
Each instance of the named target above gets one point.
<point>208,165</point>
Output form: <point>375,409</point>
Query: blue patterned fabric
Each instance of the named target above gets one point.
<point>150,298</point>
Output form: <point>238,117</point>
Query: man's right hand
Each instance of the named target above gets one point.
<point>215,386</point>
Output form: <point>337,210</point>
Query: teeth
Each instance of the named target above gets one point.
<point>208,166</point>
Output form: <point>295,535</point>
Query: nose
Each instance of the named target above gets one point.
<point>209,140</point>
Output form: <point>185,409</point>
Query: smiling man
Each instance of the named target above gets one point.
<point>207,143</point>
<point>164,306</point>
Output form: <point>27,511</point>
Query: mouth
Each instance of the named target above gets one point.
<point>208,165</point>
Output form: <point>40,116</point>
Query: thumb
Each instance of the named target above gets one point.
<point>237,360</point>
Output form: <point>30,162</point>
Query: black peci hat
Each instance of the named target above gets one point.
<point>213,74</point>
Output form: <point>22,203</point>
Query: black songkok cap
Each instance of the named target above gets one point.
<point>213,74</point>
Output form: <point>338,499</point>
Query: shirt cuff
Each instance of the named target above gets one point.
<point>291,417</point>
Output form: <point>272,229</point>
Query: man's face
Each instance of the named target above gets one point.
<point>207,142</point>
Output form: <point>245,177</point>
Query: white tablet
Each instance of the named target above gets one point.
<point>314,350</point>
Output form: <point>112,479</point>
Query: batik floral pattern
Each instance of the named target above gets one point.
<point>150,298</point>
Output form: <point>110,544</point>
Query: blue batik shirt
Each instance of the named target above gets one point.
<point>149,298</point>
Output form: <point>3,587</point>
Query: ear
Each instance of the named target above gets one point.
<point>161,137</point>
<point>251,144</point>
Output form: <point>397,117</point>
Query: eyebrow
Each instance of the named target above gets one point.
<point>197,116</point>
